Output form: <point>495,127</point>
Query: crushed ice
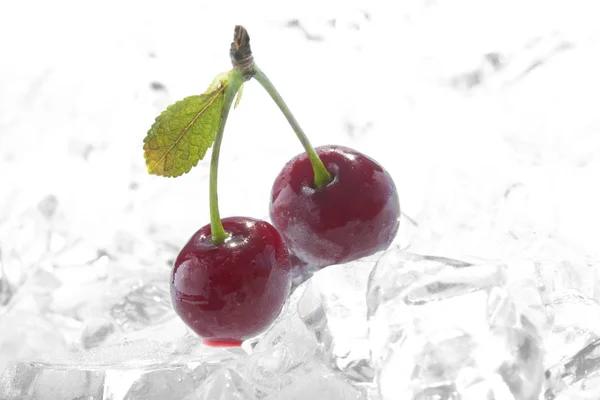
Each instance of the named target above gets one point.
<point>490,132</point>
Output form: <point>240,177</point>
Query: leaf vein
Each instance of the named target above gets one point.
<point>192,122</point>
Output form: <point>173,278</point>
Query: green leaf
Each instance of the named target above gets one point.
<point>222,78</point>
<point>238,98</point>
<point>182,134</point>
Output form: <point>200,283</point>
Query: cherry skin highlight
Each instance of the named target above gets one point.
<point>355,215</point>
<point>231,291</point>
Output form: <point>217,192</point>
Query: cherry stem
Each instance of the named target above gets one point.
<point>243,62</point>
<point>219,235</point>
<point>322,176</point>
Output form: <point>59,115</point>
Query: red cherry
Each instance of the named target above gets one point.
<point>355,215</point>
<point>231,291</point>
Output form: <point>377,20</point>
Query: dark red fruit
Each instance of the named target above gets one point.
<point>355,215</point>
<point>231,291</point>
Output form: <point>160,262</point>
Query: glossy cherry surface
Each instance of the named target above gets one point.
<point>231,291</point>
<point>355,215</point>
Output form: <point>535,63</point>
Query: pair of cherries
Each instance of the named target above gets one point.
<point>232,291</point>
<point>329,205</point>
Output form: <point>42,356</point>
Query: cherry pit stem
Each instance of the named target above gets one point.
<point>219,235</point>
<point>322,176</point>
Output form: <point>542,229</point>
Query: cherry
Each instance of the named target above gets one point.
<point>230,291</point>
<point>231,279</point>
<point>331,204</point>
<point>353,216</point>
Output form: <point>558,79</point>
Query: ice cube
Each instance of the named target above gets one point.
<point>577,377</point>
<point>168,382</point>
<point>25,335</point>
<point>286,345</point>
<point>560,268</point>
<point>566,281</point>
<point>447,328</point>
<point>527,293</point>
<point>315,381</point>
<point>24,242</point>
<point>16,381</point>
<point>51,382</point>
<point>224,384</point>
<point>138,370</point>
<point>160,250</point>
<point>145,305</point>
<point>46,382</point>
<point>66,383</point>
<point>132,296</point>
<point>334,308</point>
<point>394,272</point>
<point>575,324</point>
<point>35,294</point>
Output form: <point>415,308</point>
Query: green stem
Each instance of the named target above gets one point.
<point>322,176</point>
<point>219,235</point>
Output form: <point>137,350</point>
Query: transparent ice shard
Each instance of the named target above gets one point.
<point>287,345</point>
<point>315,381</point>
<point>575,324</point>
<point>577,377</point>
<point>448,328</point>
<point>56,383</point>
<point>46,382</point>
<point>24,335</point>
<point>140,370</point>
<point>25,241</point>
<point>394,272</point>
<point>145,305</point>
<point>334,308</point>
<point>224,384</point>
<point>567,281</point>
<point>169,382</point>
<point>159,249</point>
<point>562,267</point>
